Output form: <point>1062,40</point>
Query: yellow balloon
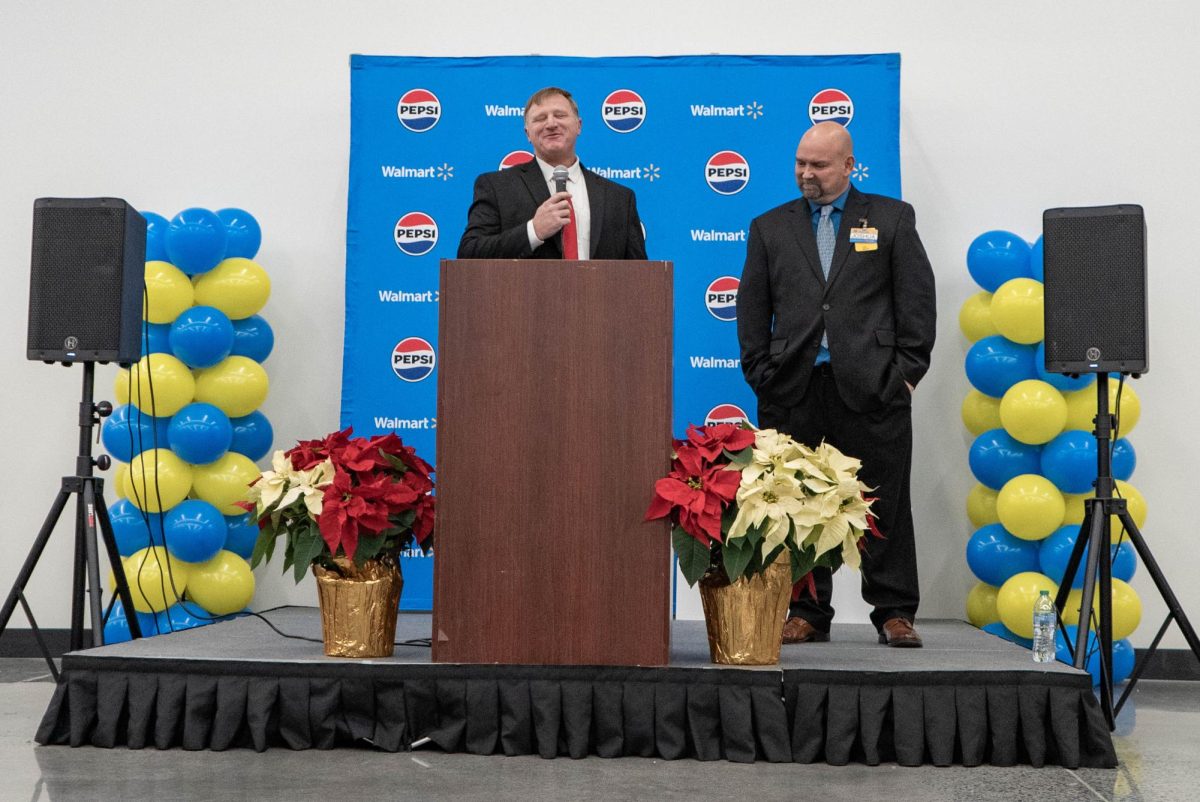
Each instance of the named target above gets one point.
<point>119,479</point>
<point>981,506</point>
<point>121,387</point>
<point>1135,502</point>
<point>237,385</point>
<point>168,292</point>
<point>162,385</point>
<point>1015,600</point>
<point>237,286</point>
<point>1017,310</point>
<point>157,480</point>
<point>224,482</point>
<point>980,413</point>
<point>1074,507</point>
<point>156,579</point>
<point>1126,608</point>
<point>1081,408</point>
<point>223,585</point>
<point>1033,411</point>
<point>981,605</point>
<point>975,317</point>
<point>1030,507</point>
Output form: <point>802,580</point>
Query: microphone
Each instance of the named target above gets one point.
<point>560,179</point>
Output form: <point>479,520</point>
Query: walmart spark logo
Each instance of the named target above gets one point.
<point>754,110</point>
<point>651,172</point>
<point>445,171</point>
<point>859,173</point>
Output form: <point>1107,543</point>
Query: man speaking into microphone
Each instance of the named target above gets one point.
<point>551,207</point>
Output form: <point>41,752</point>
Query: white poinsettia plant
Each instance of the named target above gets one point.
<point>807,501</point>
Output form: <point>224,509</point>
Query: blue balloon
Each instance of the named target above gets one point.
<point>201,336</point>
<point>994,555</point>
<point>252,435</point>
<point>995,363</point>
<point>1124,459</point>
<point>1055,551</point>
<point>156,338</point>
<point>243,235</point>
<point>183,615</point>
<point>134,529</point>
<point>996,456</point>
<point>200,433</point>
<point>1123,656</point>
<point>116,628</point>
<point>196,241</point>
<point>1059,381</point>
<point>1037,260</point>
<point>156,237</point>
<point>995,257</point>
<point>195,530</point>
<point>128,432</point>
<point>1000,631</point>
<point>1069,460</point>
<point>253,338</point>
<point>242,534</point>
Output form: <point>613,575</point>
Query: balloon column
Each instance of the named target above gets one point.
<point>1034,456</point>
<point>188,430</point>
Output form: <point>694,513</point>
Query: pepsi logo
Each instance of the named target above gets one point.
<point>413,359</point>
<point>514,158</point>
<point>831,105</point>
<point>725,413</point>
<point>727,172</point>
<point>419,110</point>
<point>416,233</point>
<point>721,298</point>
<point>623,111</point>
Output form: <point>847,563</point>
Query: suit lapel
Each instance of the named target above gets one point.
<point>857,209</point>
<point>595,191</point>
<point>807,241</point>
<point>535,182</point>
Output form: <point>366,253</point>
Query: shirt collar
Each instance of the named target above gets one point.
<point>839,203</point>
<point>574,172</point>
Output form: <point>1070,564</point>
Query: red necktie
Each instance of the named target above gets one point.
<point>570,236</point>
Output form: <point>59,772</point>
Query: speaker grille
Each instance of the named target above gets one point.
<point>83,252</point>
<point>1095,289</point>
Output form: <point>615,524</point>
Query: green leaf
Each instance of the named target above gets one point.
<point>263,547</point>
<point>307,545</point>
<point>397,464</point>
<point>754,533</point>
<point>740,459</point>
<point>693,555</point>
<point>368,546</point>
<point>737,554</point>
<point>802,563</point>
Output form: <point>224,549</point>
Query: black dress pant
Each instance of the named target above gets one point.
<point>882,439</point>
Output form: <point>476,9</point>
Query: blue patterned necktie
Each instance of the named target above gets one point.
<point>826,239</point>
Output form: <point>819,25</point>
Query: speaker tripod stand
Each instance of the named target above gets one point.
<point>91,520</point>
<point>1097,526</point>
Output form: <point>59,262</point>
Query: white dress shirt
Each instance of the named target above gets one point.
<point>577,187</point>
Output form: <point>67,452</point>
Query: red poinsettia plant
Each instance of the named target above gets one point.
<point>739,497</point>
<point>343,496</point>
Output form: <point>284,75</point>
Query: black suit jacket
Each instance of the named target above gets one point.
<point>507,199</point>
<point>877,306</point>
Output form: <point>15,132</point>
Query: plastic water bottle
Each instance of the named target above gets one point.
<point>1044,620</point>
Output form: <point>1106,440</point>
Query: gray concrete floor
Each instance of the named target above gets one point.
<point>1157,739</point>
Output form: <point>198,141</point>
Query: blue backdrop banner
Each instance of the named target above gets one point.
<point>706,142</point>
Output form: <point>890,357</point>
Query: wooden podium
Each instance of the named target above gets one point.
<point>554,421</point>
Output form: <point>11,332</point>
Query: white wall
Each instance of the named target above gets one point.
<point>1008,108</point>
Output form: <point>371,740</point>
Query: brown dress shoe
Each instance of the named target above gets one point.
<point>797,630</point>
<point>900,632</point>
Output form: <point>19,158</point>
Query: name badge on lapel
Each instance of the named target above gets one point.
<point>864,238</point>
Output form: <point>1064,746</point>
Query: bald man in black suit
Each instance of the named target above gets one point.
<point>836,319</point>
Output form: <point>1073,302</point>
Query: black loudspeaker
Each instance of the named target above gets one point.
<point>1095,289</point>
<point>86,280</point>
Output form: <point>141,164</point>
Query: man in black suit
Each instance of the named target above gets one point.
<point>515,214</point>
<point>836,320</point>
